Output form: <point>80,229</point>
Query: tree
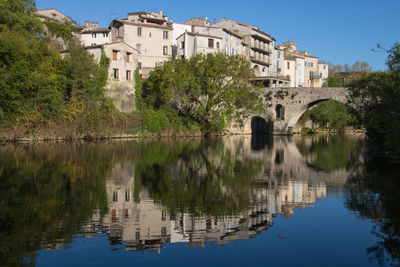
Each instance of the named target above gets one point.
<point>375,98</point>
<point>365,67</point>
<point>212,89</point>
<point>356,66</point>
<point>331,114</point>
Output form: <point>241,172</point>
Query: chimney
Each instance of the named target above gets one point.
<point>87,24</point>
<point>224,18</point>
<point>97,25</point>
<point>161,12</point>
<point>215,21</point>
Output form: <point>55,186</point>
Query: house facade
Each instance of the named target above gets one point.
<point>123,61</point>
<point>150,33</point>
<point>92,35</point>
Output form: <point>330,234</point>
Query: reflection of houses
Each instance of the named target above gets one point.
<point>141,224</point>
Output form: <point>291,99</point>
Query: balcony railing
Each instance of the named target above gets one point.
<point>262,48</point>
<point>266,61</point>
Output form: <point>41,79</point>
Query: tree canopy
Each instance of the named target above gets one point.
<point>212,89</point>
<point>375,98</point>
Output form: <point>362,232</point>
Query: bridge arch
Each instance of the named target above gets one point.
<point>297,115</point>
<point>260,126</point>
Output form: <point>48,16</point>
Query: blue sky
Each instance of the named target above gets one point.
<point>338,31</point>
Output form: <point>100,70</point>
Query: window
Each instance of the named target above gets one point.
<point>226,36</point>
<point>137,235</point>
<point>210,43</point>
<point>115,196</point>
<point>139,48</point>
<point>105,34</point>
<point>165,35</point>
<point>288,65</point>
<point>324,67</point>
<point>279,54</point>
<point>217,45</point>
<point>127,193</point>
<point>115,55</point>
<point>183,45</point>
<point>233,51</point>
<point>128,77</point>
<point>116,76</point>
<point>139,31</point>
<point>128,57</point>
<point>113,215</point>
<point>126,213</point>
<point>54,15</point>
<point>140,65</point>
<point>163,230</point>
<point>226,50</point>
<point>237,41</point>
<point>163,215</point>
<point>165,50</point>
<point>94,35</point>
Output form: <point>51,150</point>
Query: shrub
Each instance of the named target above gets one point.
<point>154,121</point>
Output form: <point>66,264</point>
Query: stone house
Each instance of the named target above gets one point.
<point>123,63</point>
<point>309,75</point>
<point>260,45</point>
<point>92,35</point>
<point>150,33</point>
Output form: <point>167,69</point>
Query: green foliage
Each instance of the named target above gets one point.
<point>393,60</point>
<point>330,153</point>
<point>332,115</point>
<point>17,15</point>
<point>59,29</point>
<point>210,89</point>
<point>154,121</point>
<point>375,98</point>
<point>139,104</point>
<point>333,81</point>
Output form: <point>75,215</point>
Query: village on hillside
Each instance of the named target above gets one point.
<point>145,40</point>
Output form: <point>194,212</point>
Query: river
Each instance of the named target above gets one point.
<point>241,200</point>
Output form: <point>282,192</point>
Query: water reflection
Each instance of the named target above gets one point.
<point>372,193</point>
<point>147,194</point>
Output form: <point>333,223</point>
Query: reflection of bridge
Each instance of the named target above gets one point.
<point>284,108</point>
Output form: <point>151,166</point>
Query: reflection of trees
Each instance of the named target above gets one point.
<point>203,179</point>
<point>374,193</point>
<point>330,152</point>
<point>47,192</point>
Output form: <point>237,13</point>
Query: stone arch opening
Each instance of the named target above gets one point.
<point>304,120</point>
<point>260,126</point>
<point>256,70</point>
<point>280,112</point>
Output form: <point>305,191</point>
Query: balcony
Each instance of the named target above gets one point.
<point>258,60</point>
<point>314,76</point>
<point>265,49</point>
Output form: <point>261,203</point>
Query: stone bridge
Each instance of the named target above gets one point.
<point>284,107</point>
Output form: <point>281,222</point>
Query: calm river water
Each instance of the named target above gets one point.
<point>281,201</point>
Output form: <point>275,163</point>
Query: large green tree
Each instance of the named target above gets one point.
<point>212,89</point>
<point>375,98</point>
